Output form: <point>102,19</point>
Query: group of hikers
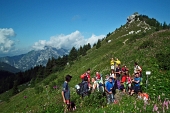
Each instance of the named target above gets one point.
<point>119,78</point>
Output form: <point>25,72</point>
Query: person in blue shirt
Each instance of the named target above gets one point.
<point>108,88</point>
<point>66,92</point>
<point>136,82</point>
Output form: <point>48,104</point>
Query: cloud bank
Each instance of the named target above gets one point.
<point>75,39</point>
<point>6,44</point>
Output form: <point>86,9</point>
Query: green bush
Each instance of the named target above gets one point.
<point>136,36</point>
<point>163,61</point>
<point>146,44</point>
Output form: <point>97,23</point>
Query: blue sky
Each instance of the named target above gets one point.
<point>31,24</point>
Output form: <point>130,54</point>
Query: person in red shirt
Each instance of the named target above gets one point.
<point>123,81</point>
<point>98,76</point>
<point>87,73</point>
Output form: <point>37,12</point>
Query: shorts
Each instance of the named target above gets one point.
<point>122,87</point>
<point>112,67</point>
<point>67,101</point>
<point>136,88</point>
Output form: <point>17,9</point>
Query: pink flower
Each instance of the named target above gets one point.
<point>55,87</point>
<point>25,97</point>
<point>165,104</point>
<point>155,108</point>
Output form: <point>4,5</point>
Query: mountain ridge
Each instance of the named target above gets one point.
<point>33,58</point>
<point>6,67</point>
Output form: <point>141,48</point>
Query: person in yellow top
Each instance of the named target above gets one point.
<point>112,63</point>
<point>117,62</point>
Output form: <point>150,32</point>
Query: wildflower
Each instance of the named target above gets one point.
<point>163,94</point>
<point>159,97</point>
<point>25,97</point>
<point>134,102</point>
<point>55,87</point>
<point>155,108</point>
<point>144,107</point>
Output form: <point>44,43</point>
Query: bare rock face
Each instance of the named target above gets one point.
<point>132,18</point>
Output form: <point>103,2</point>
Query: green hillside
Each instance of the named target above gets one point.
<point>148,46</point>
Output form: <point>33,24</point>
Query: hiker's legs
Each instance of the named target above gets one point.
<point>110,98</point>
<point>136,89</point>
<point>67,106</point>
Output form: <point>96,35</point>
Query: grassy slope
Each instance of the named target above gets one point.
<point>99,59</point>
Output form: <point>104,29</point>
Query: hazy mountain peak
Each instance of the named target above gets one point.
<point>34,58</point>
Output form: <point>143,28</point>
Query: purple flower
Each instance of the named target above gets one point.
<point>25,97</point>
<point>155,108</point>
<point>55,87</point>
<point>165,104</point>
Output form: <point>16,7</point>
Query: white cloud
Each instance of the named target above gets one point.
<point>6,44</point>
<point>67,41</point>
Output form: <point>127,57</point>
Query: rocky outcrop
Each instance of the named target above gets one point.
<point>132,18</point>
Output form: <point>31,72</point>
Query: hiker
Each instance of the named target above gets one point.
<point>123,82</point>
<point>86,74</point>
<point>137,68</point>
<point>124,69</point>
<point>66,92</point>
<point>117,62</point>
<point>85,87</point>
<point>98,76</point>
<point>129,83</point>
<point>136,82</point>
<point>94,84</point>
<point>143,96</point>
<point>99,80</point>
<point>106,78</point>
<point>112,64</point>
<point>118,72</point>
<point>108,88</point>
<point>112,74</point>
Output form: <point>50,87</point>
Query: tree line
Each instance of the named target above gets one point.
<point>153,22</point>
<point>36,74</point>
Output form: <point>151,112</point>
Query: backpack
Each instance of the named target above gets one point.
<point>81,90</point>
<point>83,75</point>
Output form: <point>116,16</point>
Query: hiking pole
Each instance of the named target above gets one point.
<point>147,73</point>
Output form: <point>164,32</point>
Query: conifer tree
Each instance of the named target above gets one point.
<point>73,54</point>
<point>98,44</point>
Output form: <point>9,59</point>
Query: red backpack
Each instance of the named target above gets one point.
<point>83,75</point>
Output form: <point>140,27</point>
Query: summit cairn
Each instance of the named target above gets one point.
<point>132,17</point>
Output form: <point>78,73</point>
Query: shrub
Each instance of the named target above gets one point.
<point>163,61</point>
<point>146,44</point>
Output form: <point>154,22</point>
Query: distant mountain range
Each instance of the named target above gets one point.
<point>6,67</point>
<point>33,58</point>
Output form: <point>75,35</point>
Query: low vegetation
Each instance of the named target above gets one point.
<point>42,94</point>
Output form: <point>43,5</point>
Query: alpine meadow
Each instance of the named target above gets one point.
<point>141,39</point>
